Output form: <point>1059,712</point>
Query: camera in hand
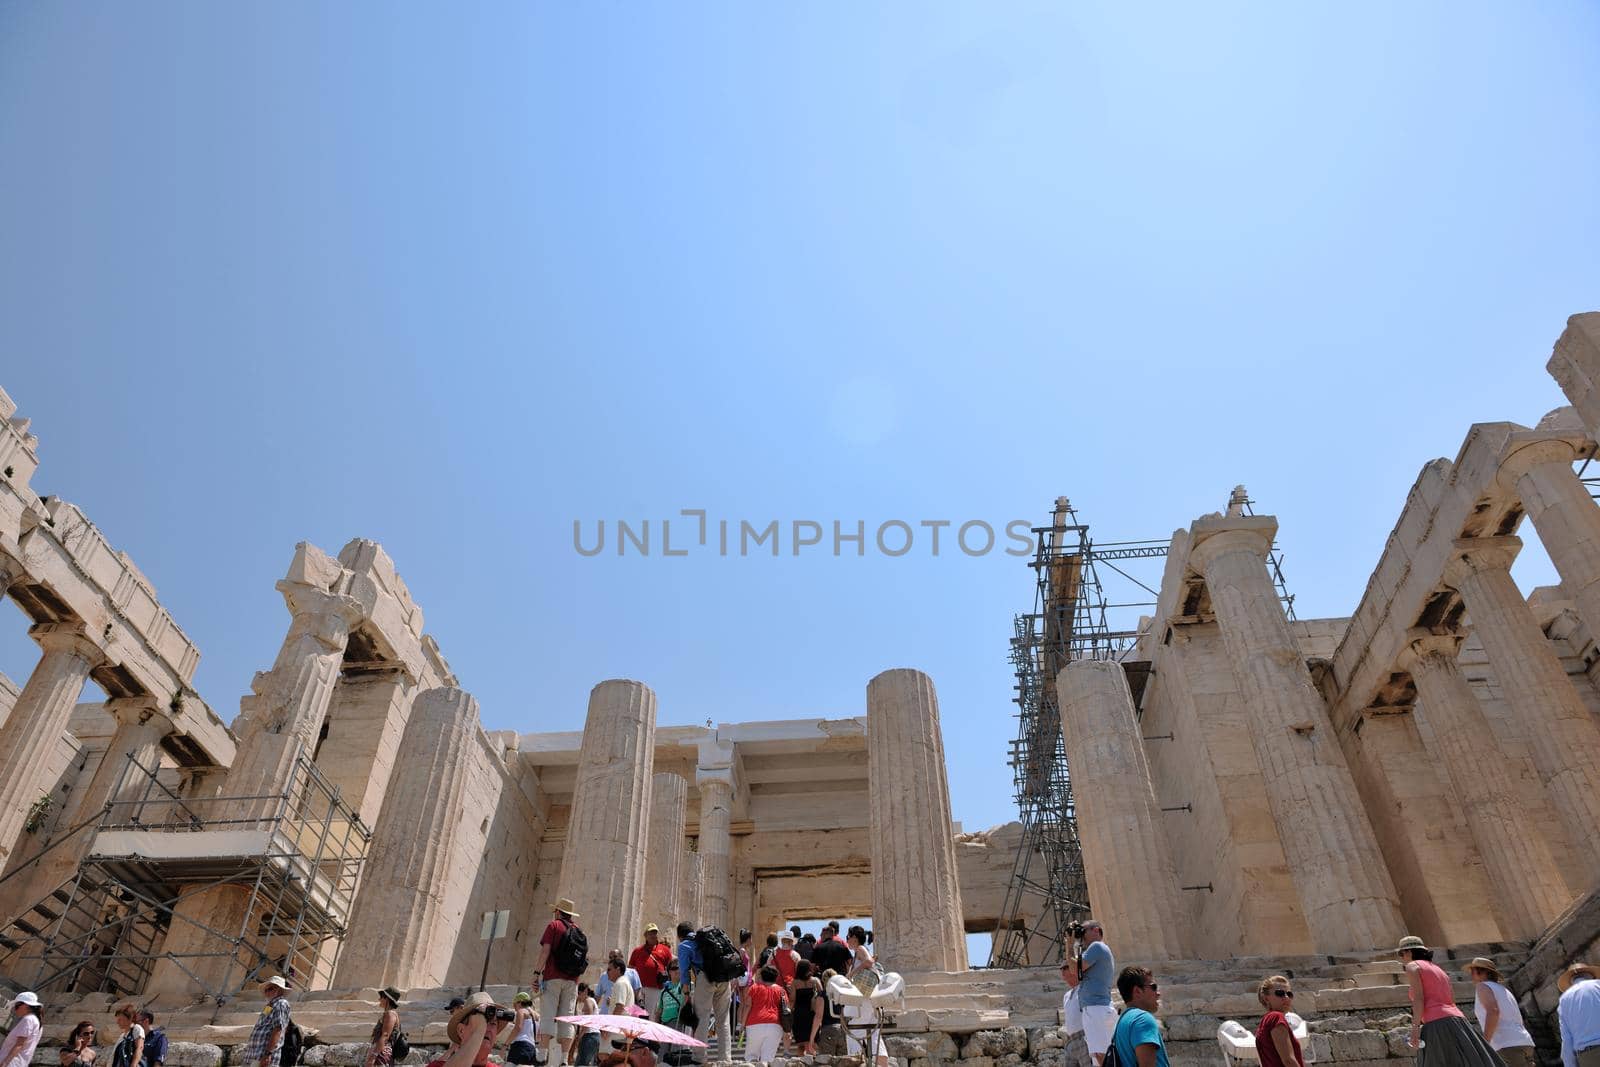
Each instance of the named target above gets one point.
<point>1075,929</point>
<point>494,1013</point>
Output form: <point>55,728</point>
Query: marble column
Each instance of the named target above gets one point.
<point>663,883</point>
<point>1560,730</point>
<point>38,720</point>
<point>278,723</point>
<point>402,932</point>
<point>1528,888</point>
<point>916,892</point>
<point>692,903</point>
<point>603,865</point>
<point>141,727</point>
<point>1566,517</point>
<point>1133,881</point>
<point>715,849</point>
<point>1347,896</point>
<point>284,716</point>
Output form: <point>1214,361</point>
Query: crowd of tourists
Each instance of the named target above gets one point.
<point>712,988</point>
<point>1440,1033</point>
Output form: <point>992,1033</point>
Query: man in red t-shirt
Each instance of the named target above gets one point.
<point>650,962</point>
<point>558,991</point>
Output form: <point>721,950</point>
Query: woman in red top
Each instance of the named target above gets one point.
<point>1439,1032</point>
<point>1276,1045</point>
<point>762,1015</point>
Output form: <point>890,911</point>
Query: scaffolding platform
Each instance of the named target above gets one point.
<point>294,859</point>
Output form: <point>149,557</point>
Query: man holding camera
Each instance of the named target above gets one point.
<point>1097,972</point>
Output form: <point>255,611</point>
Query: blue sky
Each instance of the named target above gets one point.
<point>453,277</point>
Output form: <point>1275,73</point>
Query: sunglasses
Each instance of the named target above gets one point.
<point>1153,986</point>
<point>1285,993</point>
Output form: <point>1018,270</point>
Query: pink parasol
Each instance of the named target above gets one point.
<point>635,1029</point>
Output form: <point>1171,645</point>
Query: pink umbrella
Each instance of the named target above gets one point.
<point>635,1029</point>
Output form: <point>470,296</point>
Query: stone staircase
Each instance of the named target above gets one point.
<point>1356,1007</point>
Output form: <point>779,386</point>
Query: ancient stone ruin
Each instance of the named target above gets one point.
<point>1255,794</point>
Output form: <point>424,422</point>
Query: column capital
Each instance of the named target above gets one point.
<point>140,710</point>
<point>1473,555</point>
<point>1525,454</point>
<point>714,779</point>
<point>1227,536</point>
<point>71,637</point>
<point>1423,643</point>
<point>328,617</point>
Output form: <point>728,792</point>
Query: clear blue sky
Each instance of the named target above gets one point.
<point>451,277</point>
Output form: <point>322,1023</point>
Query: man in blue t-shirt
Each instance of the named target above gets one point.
<point>1097,969</point>
<point>1138,1035</point>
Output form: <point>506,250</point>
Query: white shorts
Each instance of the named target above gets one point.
<point>1099,1020</point>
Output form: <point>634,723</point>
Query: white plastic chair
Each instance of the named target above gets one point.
<point>1239,1045</point>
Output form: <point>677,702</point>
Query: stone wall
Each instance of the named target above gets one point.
<point>497,867</point>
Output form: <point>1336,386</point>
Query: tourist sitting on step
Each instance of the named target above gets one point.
<point>1499,1015</point>
<point>1439,1032</point>
<point>1276,1043</point>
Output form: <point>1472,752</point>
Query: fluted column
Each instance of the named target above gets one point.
<point>280,721</point>
<point>693,901</point>
<point>1567,518</point>
<point>141,726</point>
<point>603,865</point>
<point>1528,888</point>
<point>38,720</point>
<point>1560,730</point>
<point>285,715</point>
<point>1339,875</point>
<point>916,894</point>
<point>663,883</point>
<point>715,849</point>
<point>401,932</point>
<point>1133,882</point>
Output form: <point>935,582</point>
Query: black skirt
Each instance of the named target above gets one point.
<point>1454,1042</point>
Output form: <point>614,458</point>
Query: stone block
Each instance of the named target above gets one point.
<point>193,1054</point>
<point>934,1046</point>
<point>1358,1045</point>
<point>1317,1047</point>
<point>976,1061</point>
<point>1041,1040</point>
<point>1399,1042</point>
<point>346,1054</point>
<point>1010,1059</point>
<point>1053,1057</point>
<point>1191,1028</point>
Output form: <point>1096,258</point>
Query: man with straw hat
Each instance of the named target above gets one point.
<point>1579,1011</point>
<point>473,1029</point>
<point>1498,1015</point>
<point>555,983</point>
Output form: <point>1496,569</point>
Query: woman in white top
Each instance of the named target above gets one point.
<point>525,1030</point>
<point>1498,1015</point>
<point>17,1051</point>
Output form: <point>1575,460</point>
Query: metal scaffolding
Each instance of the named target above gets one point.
<point>289,860</point>
<point>1072,618</point>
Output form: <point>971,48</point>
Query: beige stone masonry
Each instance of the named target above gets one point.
<point>1528,888</point>
<point>1566,517</point>
<point>1347,896</point>
<point>1133,884</point>
<point>35,724</point>
<point>1561,730</point>
<point>603,866</point>
<point>663,883</point>
<point>1575,365</point>
<point>396,934</point>
<point>916,894</point>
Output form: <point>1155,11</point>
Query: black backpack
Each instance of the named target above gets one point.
<point>1111,1058</point>
<point>294,1042</point>
<point>399,1044</point>
<point>719,960</point>
<point>572,951</point>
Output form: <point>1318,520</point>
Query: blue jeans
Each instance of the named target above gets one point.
<point>588,1050</point>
